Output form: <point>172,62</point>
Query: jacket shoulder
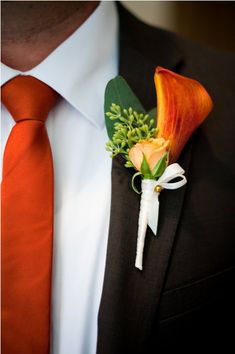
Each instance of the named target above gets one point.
<point>153,42</point>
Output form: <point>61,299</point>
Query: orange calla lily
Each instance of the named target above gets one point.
<point>182,105</point>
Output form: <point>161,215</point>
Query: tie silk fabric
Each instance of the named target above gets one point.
<point>27,219</point>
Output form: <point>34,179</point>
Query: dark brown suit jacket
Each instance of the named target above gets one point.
<point>184,298</point>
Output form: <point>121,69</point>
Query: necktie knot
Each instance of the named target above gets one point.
<point>26,97</point>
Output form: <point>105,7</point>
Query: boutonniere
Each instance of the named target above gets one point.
<point>151,142</point>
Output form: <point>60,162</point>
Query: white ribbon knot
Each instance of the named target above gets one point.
<point>149,204</point>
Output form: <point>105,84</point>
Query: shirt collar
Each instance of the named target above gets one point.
<point>80,67</point>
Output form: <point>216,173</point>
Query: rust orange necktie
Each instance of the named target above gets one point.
<point>27,219</point>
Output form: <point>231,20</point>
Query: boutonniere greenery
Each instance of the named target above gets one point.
<point>151,142</point>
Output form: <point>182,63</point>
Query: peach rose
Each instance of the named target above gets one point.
<point>152,149</point>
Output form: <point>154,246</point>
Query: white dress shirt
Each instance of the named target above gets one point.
<point>79,70</point>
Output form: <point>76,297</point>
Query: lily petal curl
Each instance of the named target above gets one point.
<point>182,105</point>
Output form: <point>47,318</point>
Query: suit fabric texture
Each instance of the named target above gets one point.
<point>184,297</point>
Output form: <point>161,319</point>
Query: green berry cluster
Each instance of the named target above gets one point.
<point>130,128</point>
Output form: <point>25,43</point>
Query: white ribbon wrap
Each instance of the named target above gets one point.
<point>149,204</point>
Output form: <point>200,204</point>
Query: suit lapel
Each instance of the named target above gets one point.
<point>130,298</point>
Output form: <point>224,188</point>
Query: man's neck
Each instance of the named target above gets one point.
<point>32,30</point>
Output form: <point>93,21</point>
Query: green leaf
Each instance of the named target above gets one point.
<point>160,166</point>
<point>145,170</point>
<point>119,92</point>
<point>152,114</point>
